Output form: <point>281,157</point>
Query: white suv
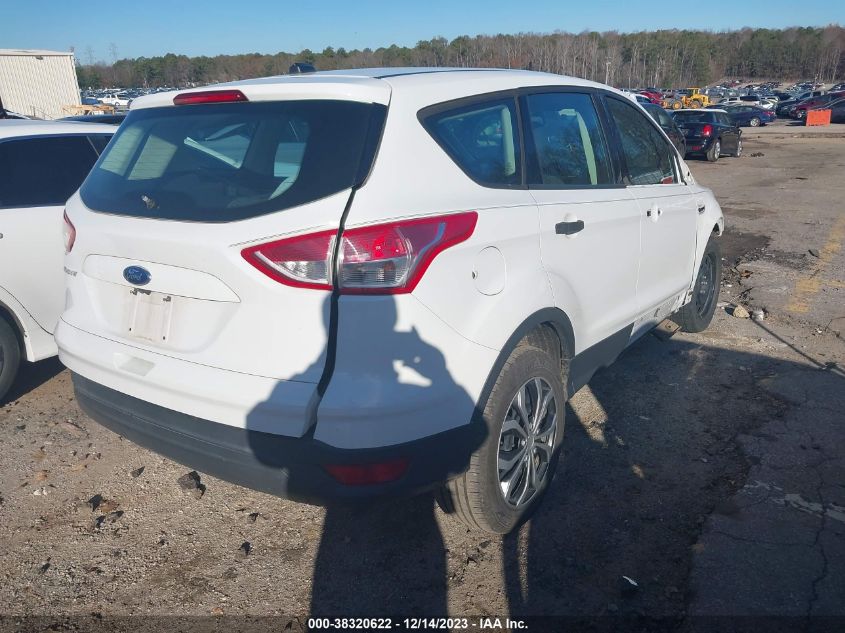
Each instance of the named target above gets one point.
<point>362,283</point>
<point>41,164</point>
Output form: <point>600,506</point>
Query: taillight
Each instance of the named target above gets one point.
<point>209,96</point>
<point>381,259</point>
<point>69,232</point>
<point>303,261</point>
<point>707,130</point>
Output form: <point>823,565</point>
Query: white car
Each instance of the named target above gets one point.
<point>41,164</point>
<point>362,283</point>
<point>117,99</point>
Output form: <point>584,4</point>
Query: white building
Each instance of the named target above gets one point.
<point>39,84</point>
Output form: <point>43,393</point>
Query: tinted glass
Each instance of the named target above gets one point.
<point>43,171</point>
<point>694,116</point>
<point>568,142</point>
<point>660,116</point>
<point>482,139</point>
<point>648,155</point>
<point>224,162</point>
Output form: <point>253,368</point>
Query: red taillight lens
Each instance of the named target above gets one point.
<point>368,474</point>
<point>707,130</point>
<point>209,96</point>
<point>392,258</point>
<point>303,261</point>
<point>69,232</point>
<point>380,259</point>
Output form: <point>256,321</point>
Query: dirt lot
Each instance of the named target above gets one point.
<point>709,468</point>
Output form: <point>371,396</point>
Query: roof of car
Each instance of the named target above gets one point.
<point>375,85</point>
<point>29,127</point>
<point>700,110</point>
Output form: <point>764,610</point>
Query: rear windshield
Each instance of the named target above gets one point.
<point>693,117</point>
<point>226,162</point>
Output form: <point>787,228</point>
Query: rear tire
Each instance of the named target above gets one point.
<point>491,495</point>
<point>10,357</point>
<point>754,122</point>
<point>697,314</point>
<point>715,151</point>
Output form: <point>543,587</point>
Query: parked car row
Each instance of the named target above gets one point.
<point>277,283</point>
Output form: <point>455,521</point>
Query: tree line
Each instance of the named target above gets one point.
<point>651,58</point>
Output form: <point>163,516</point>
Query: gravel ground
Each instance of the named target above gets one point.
<point>656,450</point>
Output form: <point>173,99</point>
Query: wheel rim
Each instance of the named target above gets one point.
<point>738,148</point>
<point>705,286</point>
<point>755,122</point>
<point>717,150</point>
<point>526,442</point>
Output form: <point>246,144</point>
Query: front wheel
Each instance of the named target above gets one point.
<point>524,415</point>
<point>10,357</point>
<point>715,151</point>
<point>696,315</point>
<point>738,151</point>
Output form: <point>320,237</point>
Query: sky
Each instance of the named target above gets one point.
<point>213,27</point>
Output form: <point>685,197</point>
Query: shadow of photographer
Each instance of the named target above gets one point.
<point>387,377</point>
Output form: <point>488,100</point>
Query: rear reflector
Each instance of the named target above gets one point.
<point>69,233</point>
<point>368,474</point>
<point>209,96</point>
<point>381,259</point>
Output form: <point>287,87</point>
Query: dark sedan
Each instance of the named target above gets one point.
<point>665,121</point>
<point>750,116</point>
<point>837,110</point>
<point>709,133</point>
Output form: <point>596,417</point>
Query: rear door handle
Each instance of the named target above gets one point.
<point>569,228</point>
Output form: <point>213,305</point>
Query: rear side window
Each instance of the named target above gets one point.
<point>43,170</point>
<point>482,139</point>
<point>568,143</point>
<point>662,118</point>
<point>226,162</point>
<point>648,155</point>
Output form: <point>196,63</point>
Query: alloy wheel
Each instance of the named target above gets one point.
<point>526,442</point>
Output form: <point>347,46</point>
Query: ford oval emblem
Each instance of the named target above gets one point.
<point>136,275</point>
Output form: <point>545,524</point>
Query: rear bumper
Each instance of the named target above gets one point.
<point>698,145</point>
<point>283,466</point>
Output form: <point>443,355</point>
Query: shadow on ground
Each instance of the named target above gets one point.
<point>650,450</point>
<point>31,376</point>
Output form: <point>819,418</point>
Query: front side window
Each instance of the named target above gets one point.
<point>228,162</point>
<point>43,170</point>
<point>568,142</point>
<point>482,139</point>
<point>648,155</point>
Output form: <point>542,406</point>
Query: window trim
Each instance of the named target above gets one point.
<point>425,115</point>
<point>517,94</point>
<point>620,155</point>
<point>29,137</point>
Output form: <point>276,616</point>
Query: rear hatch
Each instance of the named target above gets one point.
<point>181,191</point>
<point>695,125</point>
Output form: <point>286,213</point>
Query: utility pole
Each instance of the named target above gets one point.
<point>607,72</point>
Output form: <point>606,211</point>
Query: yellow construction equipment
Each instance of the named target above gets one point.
<point>687,98</point>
